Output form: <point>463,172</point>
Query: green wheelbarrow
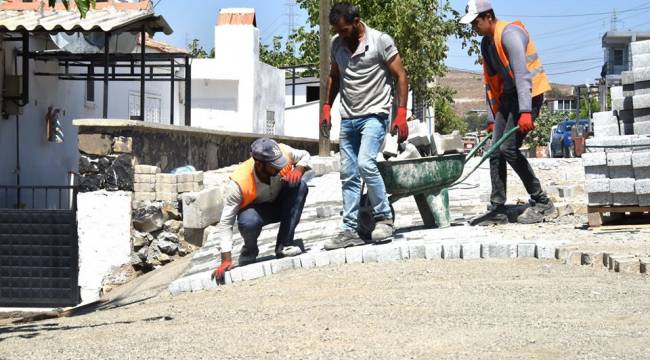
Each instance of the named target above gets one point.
<point>428,179</point>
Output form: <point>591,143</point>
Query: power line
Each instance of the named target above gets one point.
<point>577,15</point>
<point>572,61</point>
<point>575,71</point>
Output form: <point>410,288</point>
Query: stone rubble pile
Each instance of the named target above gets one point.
<point>105,163</point>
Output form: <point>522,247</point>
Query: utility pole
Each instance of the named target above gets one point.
<point>324,144</point>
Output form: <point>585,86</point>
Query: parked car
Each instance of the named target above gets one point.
<point>561,144</point>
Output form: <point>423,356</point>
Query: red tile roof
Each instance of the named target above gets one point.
<point>237,17</point>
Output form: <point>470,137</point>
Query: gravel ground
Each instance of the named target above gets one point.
<point>411,309</point>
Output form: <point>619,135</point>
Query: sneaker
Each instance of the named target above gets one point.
<point>289,251</point>
<point>496,216</point>
<point>536,213</point>
<point>343,239</point>
<point>383,231</point>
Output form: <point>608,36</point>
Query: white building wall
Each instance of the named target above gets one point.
<point>45,163</point>
<point>259,87</point>
<point>104,226</point>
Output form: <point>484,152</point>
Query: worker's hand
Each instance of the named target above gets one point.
<point>525,123</point>
<point>326,120</point>
<point>490,128</point>
<point>400,126</point>
<point>220,272</point>
<point>293,177</point>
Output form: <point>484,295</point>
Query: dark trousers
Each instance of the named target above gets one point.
<point>286,210</point>
<point>509,152</point>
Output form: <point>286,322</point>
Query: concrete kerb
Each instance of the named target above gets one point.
<point>403,250</point>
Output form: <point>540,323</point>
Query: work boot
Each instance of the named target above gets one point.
<point>246,260</point>
<point>497,215</point>
<point>345,238</point>
<point>288,251</point>
<point>383,231</point>
<point>537,213</point>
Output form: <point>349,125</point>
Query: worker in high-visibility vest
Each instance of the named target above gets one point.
<point>266,189</point>
<point>515,84</point>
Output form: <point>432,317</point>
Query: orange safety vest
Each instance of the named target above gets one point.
<point>244,176</point>
<point>494,84</point>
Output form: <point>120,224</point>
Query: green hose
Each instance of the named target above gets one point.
<point>489,153</point>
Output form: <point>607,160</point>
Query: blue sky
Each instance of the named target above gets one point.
<point>567,32</point>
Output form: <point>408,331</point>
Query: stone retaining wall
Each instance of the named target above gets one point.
<point>169,147</point>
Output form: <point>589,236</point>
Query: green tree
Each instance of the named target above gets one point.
<point>82,5</point>
<point>446,118</point>
<point>196,50</point>
<point>475,121</point>
<point>420,29</point>
<point>584,107</point>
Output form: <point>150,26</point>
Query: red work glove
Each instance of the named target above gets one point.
<point>220,272</point>
<point>326,120</point>
<point>293,177</point>
<point>490,128</point>
<point>525,123</point>
<point>400,126</point>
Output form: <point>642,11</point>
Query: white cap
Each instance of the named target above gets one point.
<point>475,7</point>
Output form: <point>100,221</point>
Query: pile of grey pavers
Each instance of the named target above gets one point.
<point>617,162</point>
<point>632,100</point>
<point>617,170</point>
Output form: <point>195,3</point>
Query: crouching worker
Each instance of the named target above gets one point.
<point>266,189</point>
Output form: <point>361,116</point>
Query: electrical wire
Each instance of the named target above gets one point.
<point>575,71</point>
<point>578,15</point>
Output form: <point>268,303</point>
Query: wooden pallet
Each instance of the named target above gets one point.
<point>617,213</point>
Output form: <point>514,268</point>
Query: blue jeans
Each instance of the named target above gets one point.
<point>359,142</point>
<point>286,210</point>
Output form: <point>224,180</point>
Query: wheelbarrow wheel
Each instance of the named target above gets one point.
<point>366,219</point>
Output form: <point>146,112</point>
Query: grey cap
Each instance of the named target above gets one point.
<point>268,151</point>
<point>475,7</point>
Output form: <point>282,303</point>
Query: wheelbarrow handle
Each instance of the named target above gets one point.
<point>489,153</point>
<point>477,147</point>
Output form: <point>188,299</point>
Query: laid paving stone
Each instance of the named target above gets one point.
<point>593,259</point>
<point>354,255</point>
<point>337,257</point>
<point>433,251</point>
<point>266,266</point>
<point>323,212</point>
<point>281,265</point>
<point>499,251</point>
<point>545,252</point>
<point>470,251</point>
<point>307,261</point>
<point>644,265</point>
<point>387,252</point>
<point>321,259</point>
<point>451,251</point>
<point>563,252</point>
<point>574,258</point>
<point>567,191</point>
<point>252,271</point>
<point>236,275</point>
<point>526,250</point>
<point>417,251</point>
<point>403,249</point>
<point>627,266</point>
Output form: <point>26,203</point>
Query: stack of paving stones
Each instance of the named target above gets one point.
<point>617,171</point>
<point>189,182</point>
<point>632,100</point>
<point>144,183</point>
<point>605,123</point>
<point>166,187</point>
